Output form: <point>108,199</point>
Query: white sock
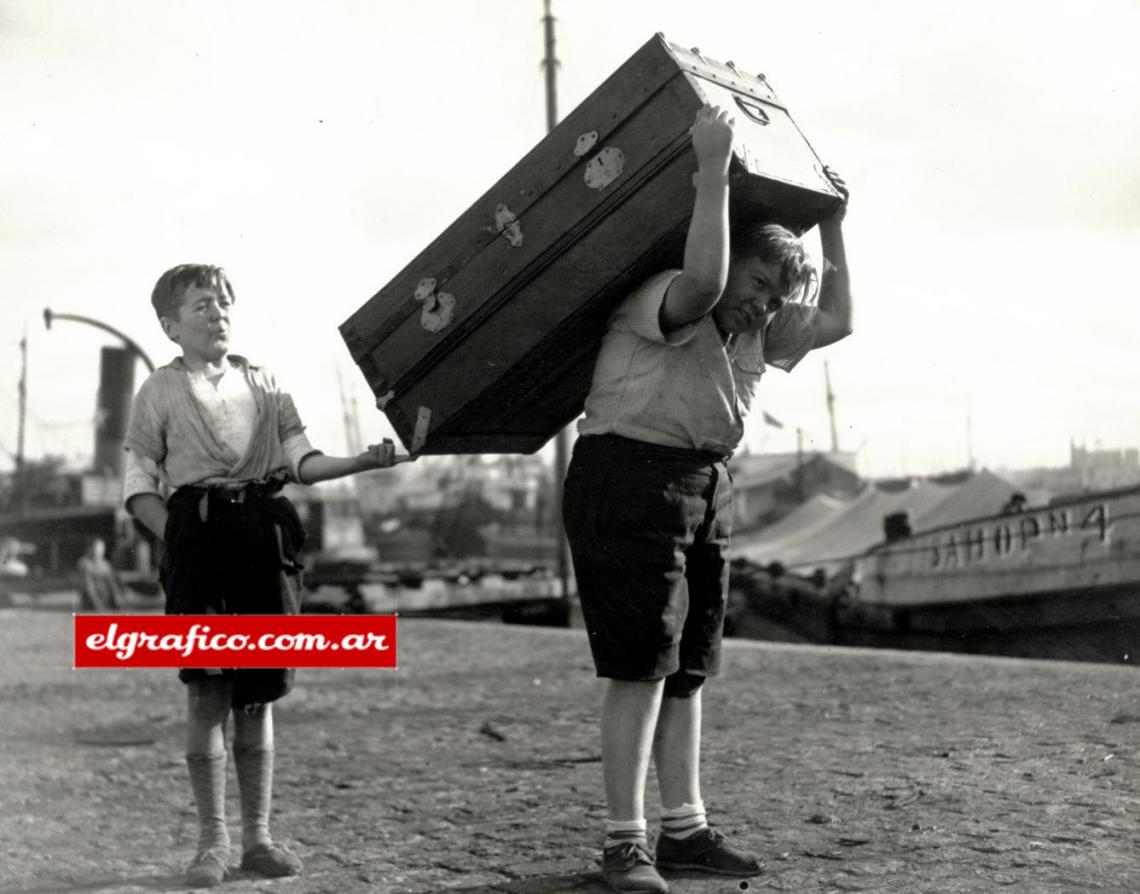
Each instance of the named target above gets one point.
<point>618,831</point>
<point>684,821</point>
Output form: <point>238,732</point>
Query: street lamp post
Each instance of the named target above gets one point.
<point>50,315</point>
<point>116,385</point>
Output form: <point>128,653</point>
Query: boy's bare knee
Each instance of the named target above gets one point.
<point>253,729</point>
<point>635,688</point>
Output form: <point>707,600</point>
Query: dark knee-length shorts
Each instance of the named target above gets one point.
<point>649,528</point>
<point>227,556</point>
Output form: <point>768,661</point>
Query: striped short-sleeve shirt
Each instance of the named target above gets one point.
<point>687,388</point>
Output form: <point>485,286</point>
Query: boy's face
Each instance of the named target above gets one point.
<point>752,294</point>
<point>202,327</point>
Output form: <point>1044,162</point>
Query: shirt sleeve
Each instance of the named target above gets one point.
<point>790,335</point>
<point>140,476</point>
<point>289,423</point>
<point>296,448</point>
<point>288,419</point>
<point>144,435</point>
<point>640,313</point>
<point>290,429</point>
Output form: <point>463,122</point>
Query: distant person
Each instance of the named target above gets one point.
<point>1015,504</point>
<point>896,526</point>
<point>221,432</point>
<point>11,565</point>
<point>648,498</point>
<point>99,585</point>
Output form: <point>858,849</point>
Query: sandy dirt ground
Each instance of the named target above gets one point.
<point>474,767</point>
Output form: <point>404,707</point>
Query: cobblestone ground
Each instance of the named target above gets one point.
<point>474,768</point>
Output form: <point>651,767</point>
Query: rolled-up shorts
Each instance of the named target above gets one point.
<point>648,528</point>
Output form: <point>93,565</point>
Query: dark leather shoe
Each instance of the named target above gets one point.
<point>271,860</point>
<point>210,868</point>
<point>707,851</point>
<point>628,869</point>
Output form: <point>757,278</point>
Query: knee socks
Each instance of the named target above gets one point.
<point>621,831</point>
<point>255,783</point>
<point>684,821</point>
<point>208,783</point>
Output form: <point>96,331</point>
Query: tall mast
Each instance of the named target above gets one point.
<point>348,410</point>
<point>21,491</point>
<point>831,409</point>
<point>970,461</point>
<point>562,439</point>
<point>550,63</point>
<point>801,490</point>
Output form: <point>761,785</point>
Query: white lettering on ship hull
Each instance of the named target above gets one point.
<point>1010,535</point>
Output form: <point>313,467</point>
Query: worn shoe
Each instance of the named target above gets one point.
<point>209,868</point>
<point>271,860</point>
<point>707,851</point>
<point>628,869</point>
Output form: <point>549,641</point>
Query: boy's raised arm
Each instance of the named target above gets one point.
<point>834,320</point>
<point>696,291</point>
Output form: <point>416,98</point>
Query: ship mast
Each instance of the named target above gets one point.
<point>970,461</point>
<point>21,491</point>
<point>831,409</point>
<point>550,63</point>
<point>351,419</point>
<point>562,439</point>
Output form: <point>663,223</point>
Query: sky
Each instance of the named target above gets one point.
<point>315,149</point>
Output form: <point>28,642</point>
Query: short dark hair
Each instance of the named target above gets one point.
<point>167,295</point>
<point>773,243</point>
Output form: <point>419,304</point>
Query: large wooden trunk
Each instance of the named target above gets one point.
<point>485,343</point>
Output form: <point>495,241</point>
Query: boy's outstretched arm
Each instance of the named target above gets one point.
<point>834,320</point>
<point>318,467</point>
<point>696,291</point>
